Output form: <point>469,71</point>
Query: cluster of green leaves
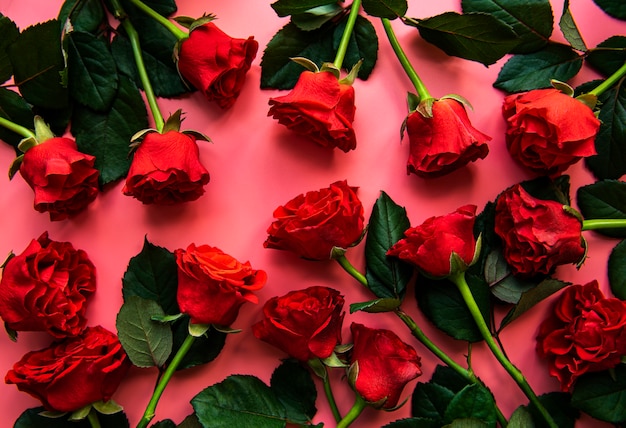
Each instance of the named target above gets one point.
<point>35,418</point>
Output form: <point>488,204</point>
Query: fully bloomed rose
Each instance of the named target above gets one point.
<point>585,332</point>
<point>385,365</point>
<point>430,245</point>
<point>72,373</point>
<point>537,234</point>
<point>212,285</point>
<point>63,179</point>
<point>444,142</point>
<point>216,63</point>
<point>320,108</point>
<point>47,288</point>
<point>306,324</point>
<point>547,130</point>
<point>311,224</point>
<point>166,170</point>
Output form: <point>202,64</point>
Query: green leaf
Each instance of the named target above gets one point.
<point>167,423</point>
<point>502,283</point>
<point>559,407</point>
<point>602,395</point>
<point>16,109</point>
<point>163,7</point>
<point>190,421</point>
<point>615,8</point>
<point>474,36</point>
<point>413,423</point>
<point>535,70</point>
<point>608,56</point>
<point>83,15</point>
<point>430,400</point>
<point>293,7</point>
<point>31,418</point>
<point>204,348</point>
<point>570,29</point>
<point>520,418</point>
<point>473,401</point>
<point>363,46</point>
<point>531,20</point>
<point>8,33</point>
<point>390,9</point>
<point>447,377</point>
<point>386,304</point>
<point>550,190</point>
<point>604,200</point>
<point>314,18</point>
<point>294,388</point>
<point>147,343</point>
<point>617,270</point>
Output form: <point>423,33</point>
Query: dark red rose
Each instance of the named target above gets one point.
<point>73,373</point>
<point>547,130</point>
<point>213,285</point>
<point>216,63</point>
<point>383,364</point>
<point>320,108</point>
<point>47,288</point>
<point>63,179</point>
<point>584,332</point>
<point>537,234</point>
<point>444,142</point>
<point>166,170</point>
<point>430,245</point>
<point>306,324</point>
<point>311,224</point>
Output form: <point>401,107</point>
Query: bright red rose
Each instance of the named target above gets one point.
<point>584,332</point>
<point>306,324</point>
<point>73,373</point>
<point>166,170</point>
<point>63,179</point>
<point>547,130</point>
<point>215,63</point>
<point>213,285</point>
<point>311,224</point>
<point>383,365</point>
<point>537,234</point>
<point>320,108</point>
<point>444,142</point>
<point>46,288</point>
<point>430,245</point>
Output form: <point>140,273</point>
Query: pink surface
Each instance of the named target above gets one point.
<point>256,165</point>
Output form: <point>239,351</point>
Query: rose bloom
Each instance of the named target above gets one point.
<point>63,179</point>
<point>430,245</point>
<point>216,63</point>
<point>320,108</point>
<point>311,224</point>
<point>444,142</point>
<point>385,364</point>
<point>306,324</point>
<point>47,288</point>
<point>537,234</point>
<point>212,285</point>
<point>166,170</point>
<point>73,373</point>
<point>585,332</point>
<point>547,130</point>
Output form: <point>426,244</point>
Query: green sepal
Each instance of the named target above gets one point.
<point>413,101</point>
<point>342,349</point>
<point>197,135</point>
<point>140,135</point>
<point>334,361</point>
<point>15,166</point>
<point>27,143</point>
<point>353,373</point>
<point>458,98</point>
<point>11,333</point>
<point>352,75</point>
<point>173,122</point>
<point>204,19</point>
<point>107,407</point>
<point>318,367</point>
<point>80,414</point>
<point>562,87</point>
<point>6,260</point>
<point>52,414</point>
<point>590,100</point>
<point>197,330</point>
<point>42,130</point>
<point>306,63</point>
<point>163,319</point>
<point>184,21</point>
<point>425,107</point>
<point>226,329</point>
<point>330,67</point>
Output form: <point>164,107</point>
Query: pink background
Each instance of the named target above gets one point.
<point>256,165</point>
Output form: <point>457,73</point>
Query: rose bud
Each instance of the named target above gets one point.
<point>216,63</point>
<point>584,332</point>
<point>73,373</point>
<point>306,324</point>
<point>537,234</point>
<point>47,288</point>
<point>547,130</point>
<point>212,285</point>
<point>318,107</point>
<point>381,365</point>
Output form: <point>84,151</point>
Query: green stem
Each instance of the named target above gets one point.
<point>167,375</point>
<point>514,372</point>
<point>604,223</point>
<point>330,397</point>
<point>18,129</point>
<point>610,81</point>
<point>92,417</point>
<point>169,25</point>
<point>355,411</point>
<point>347,33</point>
<point>404,60</point>
<point>348,267</point>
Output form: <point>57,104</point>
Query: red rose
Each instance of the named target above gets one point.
<point>73,373</point>
<point>430,245</point>
<point>584,332</point>
<point>320,108</point>
<point>537,234</point>
<point>382,364</point>
<point>215,63</point>
<point>212,285</point>
<point>547,130</point>
<point>444,142</point>
<point>46,288</point>
<point>166,170</point>
<point>63,179</point>
<point>311,225</point>
<point>306,324</point>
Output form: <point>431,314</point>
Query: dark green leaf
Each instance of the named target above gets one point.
<point>16,109</point>
<point>8,33</point>
<point>363,46</point>
<point>163,7</point>
<point>390,9</point>
<point>293,7</point>
<point>447,377</point>
<point>617,270</point>
<point>604,200</point>
<point>503,284</point>
<point>559,407</point>
<point>57,119</point>
<point>167,423</point>
<point>609,55</point>
<point>83,15</point>
<point>548,189</point>
<point>294,387</point>
<point>535,70</point>
<point>520,418</point>
<point>31,418</point>
<point>190,421</point>
<point>602,395</point>
<point>314,18</point>
<point>467,423</point>
<point>531,297</point>
<point>387,304</point>
<point>473,401</point>
<point>615,8</point>
<point>570,29</point>
<point>430,400</point>
<point>413,423</point>
<point>204,348</point>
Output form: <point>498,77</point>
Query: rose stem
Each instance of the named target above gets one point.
<point>459,280</point>
<point>330,397</point>
<point>355,411</point>
<point>177,32</point>
<point>167,375</point>
<point>604,223</point>
<point>404,60</point>
<point>609,81</point>
<point>347,33</point>
<point>18,129</point>
<point>92,417</point>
